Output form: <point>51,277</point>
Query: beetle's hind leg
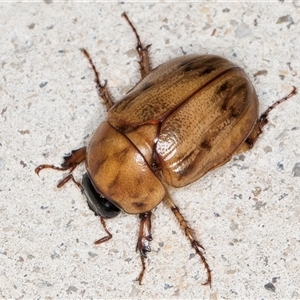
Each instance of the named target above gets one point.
<point>102,89</point>
<point>70,163</point>
<point>261,122</point>
<point>143,52</point>
<point>190,235</point>
<point>144,239</point>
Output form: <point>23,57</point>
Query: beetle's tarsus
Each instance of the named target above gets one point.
<point>102,89</point>
<point>38,169</point>
<point>189,234</point>
<point>145,67</point>
<point>41,167</point>
<point>196,245</point>
<point>141,275</point>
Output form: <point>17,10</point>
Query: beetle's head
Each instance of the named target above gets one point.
<point>98,204</point>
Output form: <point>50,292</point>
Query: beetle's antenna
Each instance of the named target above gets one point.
<point>102,89</point>
<point>143,52</point>
<point>189,233</point>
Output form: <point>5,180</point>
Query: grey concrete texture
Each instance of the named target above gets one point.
<point>245,213</point>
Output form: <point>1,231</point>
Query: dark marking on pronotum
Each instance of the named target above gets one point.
<point>122,155</point>
<point>116,181</point>
<point>138,204</point>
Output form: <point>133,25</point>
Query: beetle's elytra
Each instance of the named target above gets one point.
<point>183,119</point>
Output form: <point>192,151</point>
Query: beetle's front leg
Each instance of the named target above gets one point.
<point>143,52</point>
<point>144,239</point>
<point>105,238</point>
<point>70,163</point>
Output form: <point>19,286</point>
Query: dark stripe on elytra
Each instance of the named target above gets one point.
<point>191,67</point>
<point>204,66</point>
<point>188,166</point>
<point>205,144</point>
<point>231,113</point>
<point>235,107</point>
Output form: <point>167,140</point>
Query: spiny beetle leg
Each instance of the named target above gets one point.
<point>190,235</point>
<point>143,52</point>
<point>102,89</point>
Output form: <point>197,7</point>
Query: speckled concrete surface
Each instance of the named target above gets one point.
<point>246,213</point>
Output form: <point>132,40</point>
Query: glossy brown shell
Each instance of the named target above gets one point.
<point>188,116</point>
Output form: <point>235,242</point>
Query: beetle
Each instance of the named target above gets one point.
<point>184,118</point>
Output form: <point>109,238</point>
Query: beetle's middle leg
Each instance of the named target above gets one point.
<point>144,239</point>
<point>70,163</point>
<point>190,235</point>
<point>143,52</point>
<point>260,123</point>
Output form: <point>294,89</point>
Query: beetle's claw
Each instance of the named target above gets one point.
<point>207,282</point>
<point>38,169</point>
<point>147,47</point>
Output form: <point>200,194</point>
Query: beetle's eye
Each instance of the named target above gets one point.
<point>99,205</point>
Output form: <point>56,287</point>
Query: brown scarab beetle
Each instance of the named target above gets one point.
<point>183,119</point>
